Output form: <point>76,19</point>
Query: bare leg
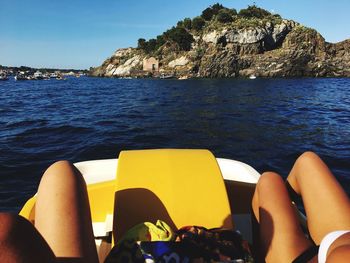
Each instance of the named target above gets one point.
<point>281,237</point>
<point>326,204</point>
<point>62,213</point>
<point>21,242</point>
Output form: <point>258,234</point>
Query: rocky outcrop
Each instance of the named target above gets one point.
<point>123,69</point>
<point>269,49</point>
<point>179,62</point>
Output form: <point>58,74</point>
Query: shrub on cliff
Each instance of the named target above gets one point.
<point>141,43</point>
<point>198,23</point>
<point>187,23</point>
<point>152,44</point>
<point>217,7</point>
<point>180,36</point>
<point>254,11</point>
<point>160,41</point>
<point>224,16</point>
<point>147,46</point>
<point>232,11</point>
<point>209,12</point>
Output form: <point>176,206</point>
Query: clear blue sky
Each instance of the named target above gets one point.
<point>83,33</point>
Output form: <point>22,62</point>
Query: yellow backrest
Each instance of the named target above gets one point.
<point>180,187</point>
<point>101,199</point>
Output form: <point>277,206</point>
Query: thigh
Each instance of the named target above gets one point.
<point>326,204</point>
<point>62,213</point>
<point>281,237</point>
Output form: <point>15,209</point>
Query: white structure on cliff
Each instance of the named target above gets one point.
<point>150,64</point>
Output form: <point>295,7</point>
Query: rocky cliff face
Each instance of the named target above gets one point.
<point>269,49</point>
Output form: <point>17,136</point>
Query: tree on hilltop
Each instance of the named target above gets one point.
<point>232,11</point>
<point>141,43</point>
<point>152,44</point>
<point>224,16</point>
<point>254,11</point>
<point>187,23</point>
<point>217,7</point>
<point>209,12</point>
<point>198,23</point>
<point>180,36</point>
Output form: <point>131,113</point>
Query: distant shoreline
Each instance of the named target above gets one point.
<point>14,70</point>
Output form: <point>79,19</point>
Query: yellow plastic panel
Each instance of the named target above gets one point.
<point>180,187</point>
<point>28,210</point>
<point>101,198</point>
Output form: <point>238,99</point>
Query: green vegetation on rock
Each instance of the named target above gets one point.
<point>303,29</point>
<point>198,23</point>
<point>180,36</point>
<point>215,17</point>
<point>225,16</point>
<point>211,11</point>
<point>254,11</point>
<point>187,23</point>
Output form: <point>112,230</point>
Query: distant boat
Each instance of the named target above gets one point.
<point>21,76</point>
<point>3,76</point>
<point>252,77</point>
<point>38,75</point>
<point>46,76</point>
<point>60,77</point>
<point>183,77</point>
<point>163,76</point>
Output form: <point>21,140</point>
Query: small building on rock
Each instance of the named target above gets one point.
<point>150,64</point>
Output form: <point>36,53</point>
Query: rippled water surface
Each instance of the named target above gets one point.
<point>266,123</point>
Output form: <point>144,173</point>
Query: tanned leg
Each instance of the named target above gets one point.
<point>326,204</point>
<point>281,237</point>
<point>62,213</point>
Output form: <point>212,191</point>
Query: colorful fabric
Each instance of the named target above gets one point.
<point>215,245</point>
<point>149,232</point>
<point>128,248</point>
<point>191,244</point>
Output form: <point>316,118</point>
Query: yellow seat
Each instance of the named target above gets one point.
<point>180,187</point>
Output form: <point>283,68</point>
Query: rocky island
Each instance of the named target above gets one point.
<point>222,42</point>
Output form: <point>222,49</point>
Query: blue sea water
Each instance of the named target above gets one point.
<point>266,123</point>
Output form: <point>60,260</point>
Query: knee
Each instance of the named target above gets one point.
<point>268,178</point>
<point>269,181</point>
<point>267,190</point>
<point>308,157</point>
<point>59,166</point>
<point>61,170</point>
<point>61,173</point>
